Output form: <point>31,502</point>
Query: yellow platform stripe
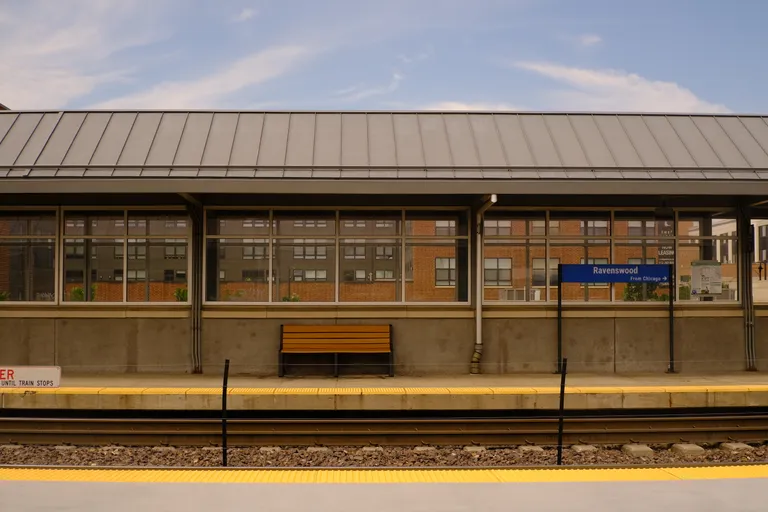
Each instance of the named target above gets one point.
<point>377,476</point>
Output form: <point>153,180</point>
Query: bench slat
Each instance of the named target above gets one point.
<point>346,341</point>
<point>338,350</point>
<point>335,328</point>
<point>334,335</point>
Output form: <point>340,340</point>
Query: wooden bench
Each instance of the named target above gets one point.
<point>335,339</point>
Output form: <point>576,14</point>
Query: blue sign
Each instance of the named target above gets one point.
<point>615,273</point>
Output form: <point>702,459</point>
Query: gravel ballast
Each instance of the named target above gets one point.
<point>359,457</point>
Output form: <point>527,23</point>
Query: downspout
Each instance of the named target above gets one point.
<point>195,211</point>
<point>474,368</point>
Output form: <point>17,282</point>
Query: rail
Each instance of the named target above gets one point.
<point>599,430</point>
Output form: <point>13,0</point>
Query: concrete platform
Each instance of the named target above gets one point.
<point>685,489</point>
<point>584,391</point>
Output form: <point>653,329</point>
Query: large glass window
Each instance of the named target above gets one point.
<point>760,261</point>
<point>436,257</point>
<point>581,237</point>
<point>514,255</point>
<point>707,245</point>
<point>135,256</point>
<point>27,256</point>
<point>373,274</point>
<point>304,270</point>
<point>345,256</point>
<point>643,239</point>
<point>537,242</point>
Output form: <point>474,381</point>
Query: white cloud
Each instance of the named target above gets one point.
<point>358,92</point>
<point>55,52</point>
<point>209,91</point>
<point>410,59</point>
<point>246,14</point>
<point>461,106</point>
<point>589,39</point>
<point>614,90</point>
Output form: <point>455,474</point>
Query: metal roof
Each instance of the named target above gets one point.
<point>362,146</point>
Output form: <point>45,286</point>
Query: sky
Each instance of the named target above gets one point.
<point>522,55</point>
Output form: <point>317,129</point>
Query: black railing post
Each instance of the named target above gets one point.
<point>561,420</point>
<point>224,414</point>
<point>559,317</point>
<point>672,289</point>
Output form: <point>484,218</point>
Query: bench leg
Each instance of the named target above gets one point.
<point>281,364</point>
<point>391,364</point>
<point>335,364</point>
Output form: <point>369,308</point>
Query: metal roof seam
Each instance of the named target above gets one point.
<point>47,139</point>
<point>631,142</point>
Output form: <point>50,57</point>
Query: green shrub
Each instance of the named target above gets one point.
<point>5,296</point>
<point>181,294</point>
<point>633,292</point>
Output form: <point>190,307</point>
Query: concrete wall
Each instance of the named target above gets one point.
<point>423,346</point>
<point>98,344</point>
<point>620,345</point>
<point>761,342</point>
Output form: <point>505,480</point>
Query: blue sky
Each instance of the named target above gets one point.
<point>603,55</point>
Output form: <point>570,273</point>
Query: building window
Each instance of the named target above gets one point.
<point>354,224</point>
<point>498,271</point>
<point>310,223</point>
<point>640,261</point>
<point>445,271</point>
<point>137,252</point>
<point>355,276</point>
<point>75,251</point>
<point>539,227</point>
<point>255,252</point>
<point>385,275</point>
<point>385,224</point>
<point>355,252</point>
<point>641,228</point>
<point>254,223</point>
<point>539,271</point>
<point>494,227</point>
<point>137,275</point>
<point>309,252</point>
<point>385,252</point>
<point>594,228</point>
<point>28,256</point>
<point>175,252</point>
<point>445,228</point>
<point>314,275</point>
<point>254,275</point>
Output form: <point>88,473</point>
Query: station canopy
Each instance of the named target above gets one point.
<point>382,152</point>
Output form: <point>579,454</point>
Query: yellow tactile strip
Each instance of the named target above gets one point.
<point>391,390</point>
<point>349,476</point>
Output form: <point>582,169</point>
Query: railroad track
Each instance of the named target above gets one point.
<point>598,430</point>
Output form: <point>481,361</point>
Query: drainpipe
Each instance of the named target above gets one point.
<point>478,354</point>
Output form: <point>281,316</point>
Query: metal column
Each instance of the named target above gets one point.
<point>196,285</point>
<point>746,246</point>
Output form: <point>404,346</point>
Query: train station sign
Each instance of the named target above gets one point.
<point>615,273</point>
<point>30,377</point>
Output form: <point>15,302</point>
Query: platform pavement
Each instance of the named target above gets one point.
<point>467,392</point>
<point>686,489</point>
